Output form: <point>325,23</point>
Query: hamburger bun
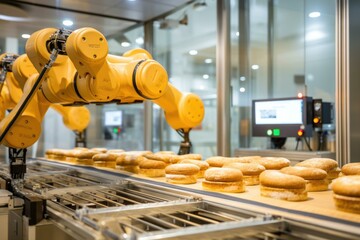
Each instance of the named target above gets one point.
<point>201,164</point>
<point>100,150</point>
<point>178,158</point>
<point>351,169</point>
<point>166,152</point>
<point>181,173</point>
<point>217,161</point>
<point>223,180</point>
<point>316,178</point>
<point>347,193</point>
<point>276,184</point>
<point>104,160</point>
<point>327,164</point>
<point>250,171</point>
<point>164,157</point>
<point>152,168</point>
<point>247,159</point>
<point>274,163</point>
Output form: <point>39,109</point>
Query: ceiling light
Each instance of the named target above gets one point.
<point>139,40</point>
<point>68,22</point>
<point>208,60</point>
<point>25,35</point>
<point>242,89</point>
<point>255,67</point>
<point>206,76</point>
<point>125,44</point>
<point>237,34</point>
<point>193,52</point>
<point>314,14</point>
<point>242,78</point>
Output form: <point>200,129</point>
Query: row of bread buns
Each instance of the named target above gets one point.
<point>289,183</point>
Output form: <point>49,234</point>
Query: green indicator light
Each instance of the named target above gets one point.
<point>276,132</point>
<point>115,130</point>
<point>269,132</point>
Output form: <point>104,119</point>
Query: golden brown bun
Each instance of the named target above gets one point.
<point>347,186</point>
<point>152,172</point>
<point>101,150</point>
<point>122,155</point>
<point>326,164</point>
<point>305,172</point>
<point>232,187</point>
<point>130,160</point>
<point>251,180</point>
<point>159,157</point>
<point>274,163</point>
<point>317,185</point>
<point>296,194</point>
<point>223,175</point>
<point>351,169</point>
<point>247,168</point>
<point>334,173</point>
<point>85,154</point>
<point>104,157</point>
<point>217,161</point>
<point>131,168</point>
<point>201,164</point>
<point>106,164</point>
<point>348,204</point>
<point>277,179</point>
<point>166,152</point>
<point>180,178</point>
<point>178,158</point>
<point>116,151</point>
<point>60,154</point>
<point>152,164</point>
<point>183,169</point>
<point>247,159</point>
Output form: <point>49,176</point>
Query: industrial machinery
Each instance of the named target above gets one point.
<point>15,70</point>
<point>75,69</point>
<point>85,203</point>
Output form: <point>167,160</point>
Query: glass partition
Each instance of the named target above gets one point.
<point>184,43</point>
<point>281,49</point>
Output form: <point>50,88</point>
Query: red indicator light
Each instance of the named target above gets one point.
<point>300,132</point>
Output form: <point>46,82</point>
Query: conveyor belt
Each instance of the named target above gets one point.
<point>100,204</point>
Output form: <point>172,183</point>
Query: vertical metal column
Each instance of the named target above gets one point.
<point>270,50</point>
<point>148,105</point>
<point>244,70</point>
<point>342,83</point>
<point>223,68</point>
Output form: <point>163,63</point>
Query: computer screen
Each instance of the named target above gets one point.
<point>282,117</point>
<point>113,118</point>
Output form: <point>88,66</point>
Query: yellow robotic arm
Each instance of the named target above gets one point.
<point>85,73</point>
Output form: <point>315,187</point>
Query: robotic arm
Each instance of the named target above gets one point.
<point>77,70</point>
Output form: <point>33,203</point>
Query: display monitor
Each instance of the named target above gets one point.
<point>283,117</point>
<point>113,118</point>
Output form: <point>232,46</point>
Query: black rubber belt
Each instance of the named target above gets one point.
<point>75,87</point>
<point>134,81</point>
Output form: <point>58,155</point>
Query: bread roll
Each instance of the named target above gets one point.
<point>104,160</point>
<point>217,161</point>
<point>250,171</point>
<point>60,154</point>
<point>316,178</point>
<point>247,159</point>
<point>276,184</point>
<point>351,169</point>
<point>152,168</point>
<point>201,164</point>
<point>100,150</point>
<point>166,152</point>
<point>181,173</point>
<point>178,158</point>
<point>347,193</point>
<point>274,163</point>
<point>223,180</point>
<point>159,157</point>
<point>326,164</point>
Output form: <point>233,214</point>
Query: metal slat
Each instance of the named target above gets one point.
<point>86,199</point>
<point>103,198</point>
<point>121,197</point>
<point>161,222</point>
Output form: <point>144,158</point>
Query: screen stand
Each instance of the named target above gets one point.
<point>278,143</point>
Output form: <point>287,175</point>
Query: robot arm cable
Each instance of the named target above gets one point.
<point>33,90</point>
